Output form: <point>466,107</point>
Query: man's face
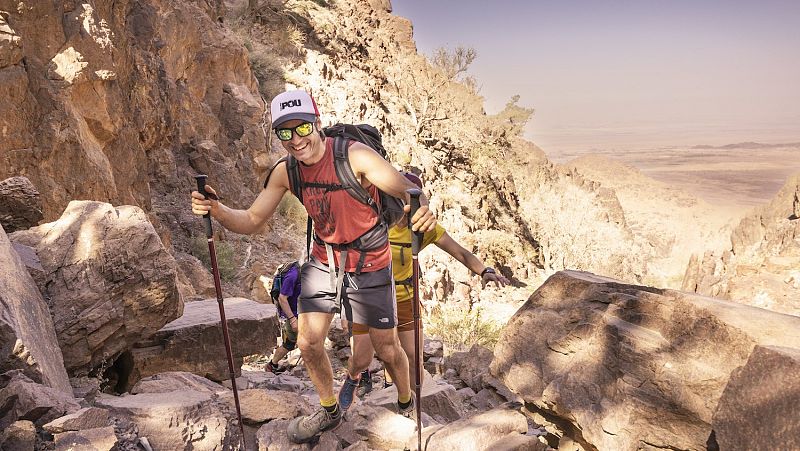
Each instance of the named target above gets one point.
<point>307,149</point>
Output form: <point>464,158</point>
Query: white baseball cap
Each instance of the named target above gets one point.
<point>290,105</point>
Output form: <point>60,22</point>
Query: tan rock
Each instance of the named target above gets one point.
<point>18,436</point>
<point>97,439</point>
<point>382,428</point>
<point>630,367</point>
<point>110,282</point>
<point>173,420</point>
<point>86,418</point>
<point>194,342</point>
<point>259,406</point>
<point>20,204</point>
<point>471,365</point>
<point>759,405</point>
<point>499,428</point>
<point>27,335</point>
<point>175,380</point>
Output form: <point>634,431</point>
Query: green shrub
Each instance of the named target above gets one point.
<point>459,327</point>
<point>226,261</point>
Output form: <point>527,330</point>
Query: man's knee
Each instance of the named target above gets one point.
<point>387,347</point>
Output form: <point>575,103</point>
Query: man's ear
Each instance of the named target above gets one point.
<point>319,128</point>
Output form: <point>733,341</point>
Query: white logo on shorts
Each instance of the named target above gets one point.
<point>384,320</point>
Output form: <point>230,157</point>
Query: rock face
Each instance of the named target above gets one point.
<point>631,367</point>
<point>108,100</point>
<point>109,281</point>
<point>759,406</point>
<point>20,204</point>
<point>194,341</point>
<point>762,265</point>
<point>27,335</point>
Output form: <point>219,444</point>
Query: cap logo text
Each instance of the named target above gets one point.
<point>290,103</point>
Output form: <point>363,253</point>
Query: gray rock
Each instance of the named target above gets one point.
<point>86,418</point>
<point>97,439</point>
<point>627,365</point>
<point>27,334</point>
<point>439,400</point>
<point>174,419</point>
<point>22,398</point>
<point>193,342</point>
<point>760,403</point>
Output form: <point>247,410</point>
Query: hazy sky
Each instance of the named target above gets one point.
<point>633,73</point>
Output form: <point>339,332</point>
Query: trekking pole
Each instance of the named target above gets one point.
<point>416,243</point>
<point>201,188</point>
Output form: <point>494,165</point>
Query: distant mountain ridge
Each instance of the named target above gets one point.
<point>747,145</point>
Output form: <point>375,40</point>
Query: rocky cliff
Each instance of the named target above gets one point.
<point>761,265</point>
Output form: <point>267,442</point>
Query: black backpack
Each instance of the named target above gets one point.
<point>388,208</point>
<point>277,279</point>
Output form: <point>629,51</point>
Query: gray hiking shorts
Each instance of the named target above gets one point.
<point>367,298</point>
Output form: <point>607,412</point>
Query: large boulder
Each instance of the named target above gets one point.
<point>27,335</point>
<point>194,342</point>
<point>177,420</point>
<point>631,367</point>
<point>20,205</point>
<point>759,407</point>
<point>109,281</point>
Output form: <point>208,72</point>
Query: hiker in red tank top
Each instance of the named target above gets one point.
<point>368,295</point>
<point>328,208</point>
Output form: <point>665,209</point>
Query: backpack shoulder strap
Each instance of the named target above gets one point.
<point>293,171</point>
<point>295,181</point>
<point>346,176</point>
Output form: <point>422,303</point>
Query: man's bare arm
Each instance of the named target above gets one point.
<point>253,219</point>
<point>368,164</point>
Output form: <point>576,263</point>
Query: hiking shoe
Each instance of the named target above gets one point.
<point>274,368</point>
<point>409,412</point>
<point>304,429</point>
<point>364,385</point>
<point>348,392</point>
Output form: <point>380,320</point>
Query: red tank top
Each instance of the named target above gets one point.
<point>338,217</point>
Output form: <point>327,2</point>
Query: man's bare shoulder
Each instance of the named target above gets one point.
<point>279,177</point>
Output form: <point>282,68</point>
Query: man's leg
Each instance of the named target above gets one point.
<point>280,352</point>
<point>312,330</point>
<point>361,356</point>
<point>387,346</point>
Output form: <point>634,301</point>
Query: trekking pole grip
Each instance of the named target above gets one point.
<point>201,188</point>
<point>414,193</point>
